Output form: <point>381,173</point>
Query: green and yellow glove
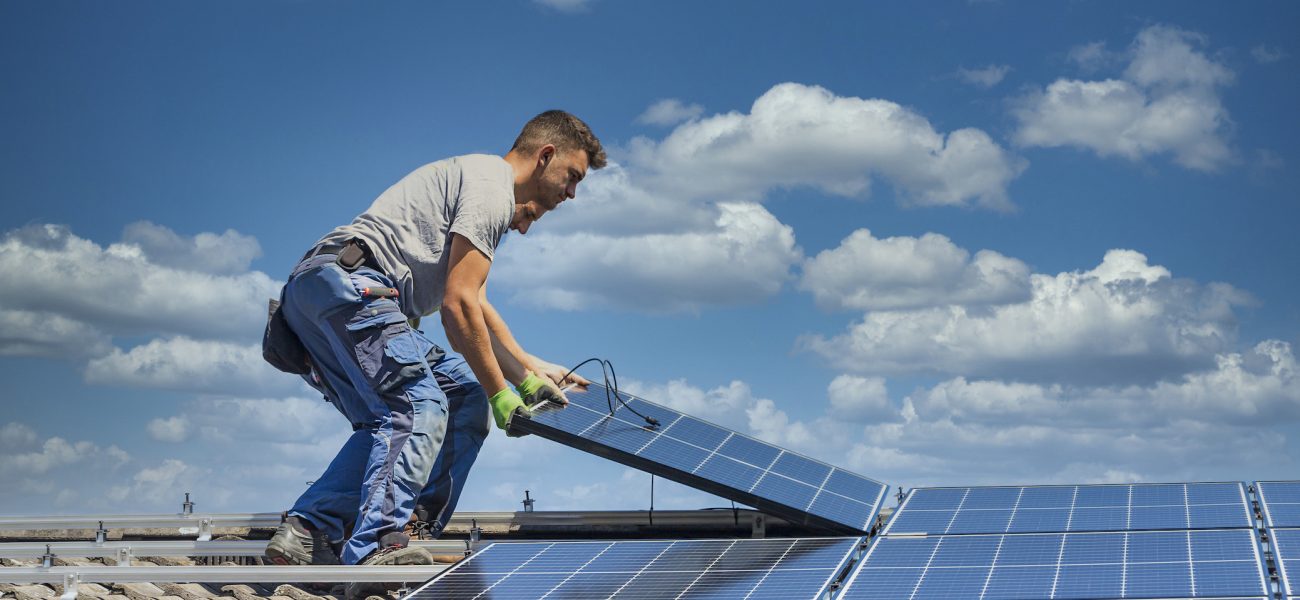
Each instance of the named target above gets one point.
<point>504,404</point>
<point>536,390</point>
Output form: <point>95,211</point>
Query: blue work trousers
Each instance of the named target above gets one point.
<point>402,394</point>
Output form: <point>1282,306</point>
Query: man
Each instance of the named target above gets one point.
<point>419,413</point>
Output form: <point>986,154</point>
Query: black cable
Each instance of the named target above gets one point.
<point>611,388</point>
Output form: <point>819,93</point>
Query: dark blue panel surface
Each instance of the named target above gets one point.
<point>1142,564</point>
<point>1286,552</point>
<point>1060,509</point>
<point>704,569</point>
<point>1280,502</point>
<point>711,458</point>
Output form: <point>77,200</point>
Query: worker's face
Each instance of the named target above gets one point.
<point>554,181</point>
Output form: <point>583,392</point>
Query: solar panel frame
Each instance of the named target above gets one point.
<point>730,464</point>
<point>1279,502</point>
<point>1060,565</point>
<point>759,568</point>
<point>1286,555</point>
<point>1099,507</point>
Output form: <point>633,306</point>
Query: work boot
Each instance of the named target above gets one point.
<point>392,551</point>
<point>294,543</point>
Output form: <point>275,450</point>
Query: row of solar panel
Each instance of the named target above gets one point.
<point>802,490</point>
<point>1148,564</point>
<point>1059,509</point>
<point>1167,540</point>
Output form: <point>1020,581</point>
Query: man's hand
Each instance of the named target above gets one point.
<point>556,374</point>
<point>504,404</point>
<point>540,389</point>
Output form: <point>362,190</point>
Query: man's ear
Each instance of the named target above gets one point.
<point>545,154</point>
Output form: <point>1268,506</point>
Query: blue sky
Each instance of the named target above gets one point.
<point>954,243</point>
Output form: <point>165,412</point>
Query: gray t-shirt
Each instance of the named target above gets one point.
<point>409,226</point>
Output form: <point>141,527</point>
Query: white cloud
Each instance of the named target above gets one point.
<point>228,253</point>
<point>36,472</point>
<point>868,273</point>
<point>33,333</point>
<point>986,77</point>
<point>277,420</point>
<point>1265,54</point>
<point>860,399</point>
<point>16,435</point>
<point>724,405</point>
<point>1167,56</point>
<point>1167,102</point>
<point>1092,56</point>
<point>797,135</point>
<point>174,429</point>
<point>160,485</point>
<point>119,290</point>
<point>1205,425</point>
<point>52,454</point>
<point>745,256</point>
<point>677,225</point>
<point>670,111</point>
<point>1125,320</point>
<point>569,6</point>
<point>181,363</point>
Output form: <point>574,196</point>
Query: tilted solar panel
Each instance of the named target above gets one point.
<point>1286,553</point>
<point>711,458</point>
<point>1146,564</point>
<point>1280,502</point>
<point>775,569</point>
<point>1067,508</point>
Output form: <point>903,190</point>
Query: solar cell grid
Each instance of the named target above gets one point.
<point>768,569</point>
<point>1053,509</point>
<point>714,459</point>
<point>1286,554</point>
<point>1280,502</point>
<point>1146,564</point>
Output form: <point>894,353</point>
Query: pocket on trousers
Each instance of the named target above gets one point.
<point>386,348</point>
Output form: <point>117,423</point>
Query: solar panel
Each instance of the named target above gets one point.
<point>1147,564</point>
<point>1280,502</point>
<point>776,569</point>
<point>1069,508</point>
<point>1286,553</point>
<point>711,458</point>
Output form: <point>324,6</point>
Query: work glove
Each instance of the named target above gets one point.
<point>504,404</point>
<point>536,390</point>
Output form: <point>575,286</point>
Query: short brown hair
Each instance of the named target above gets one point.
<point>565,132</point>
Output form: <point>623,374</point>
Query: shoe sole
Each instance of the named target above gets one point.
<point>284,559</point>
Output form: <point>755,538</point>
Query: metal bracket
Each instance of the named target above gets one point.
<point>47,559</point>
<point>124,556</point>
<point>205,529</point>
<point>101,534</point>
<point>758,526</point>
<point>70,582</point>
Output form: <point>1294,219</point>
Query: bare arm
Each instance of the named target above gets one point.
<point>508,351</point>
<point>463,313</point>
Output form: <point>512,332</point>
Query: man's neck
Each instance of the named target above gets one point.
<point>523,167</point>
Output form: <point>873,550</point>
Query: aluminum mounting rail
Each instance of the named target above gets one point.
<point>253,574</point>
<point>197,522</point>
<point>139,548</point>
<point>159,521</point>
